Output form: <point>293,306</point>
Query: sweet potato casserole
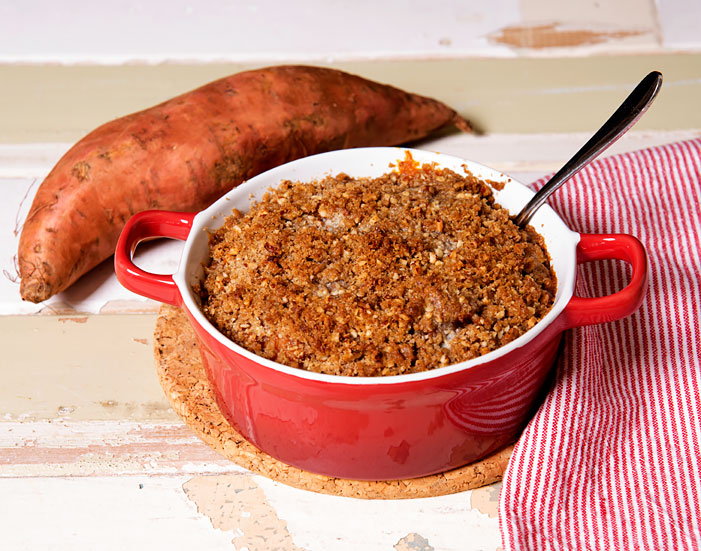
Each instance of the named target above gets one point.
<point>414,270</point>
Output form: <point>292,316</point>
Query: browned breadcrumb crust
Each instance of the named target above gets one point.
<point>417,269</point>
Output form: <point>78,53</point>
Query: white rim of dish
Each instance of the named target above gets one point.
<point>200,224</point>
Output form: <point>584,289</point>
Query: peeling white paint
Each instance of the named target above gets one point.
<point>260,32</point>
<point>380,524</point>
<point>106,513</point>
<point>100,448</point>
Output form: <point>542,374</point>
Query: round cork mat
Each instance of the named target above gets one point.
<point>183,378</point>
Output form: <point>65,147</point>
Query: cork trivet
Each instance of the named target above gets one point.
<point>185,383</point>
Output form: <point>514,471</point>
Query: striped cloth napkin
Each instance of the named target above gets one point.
<point>611,458</point>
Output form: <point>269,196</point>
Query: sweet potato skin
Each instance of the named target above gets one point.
<point>185,153</point>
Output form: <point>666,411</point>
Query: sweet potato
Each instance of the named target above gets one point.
<point>186,152</point>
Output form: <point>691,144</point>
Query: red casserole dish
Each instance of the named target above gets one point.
<point>381,428</point>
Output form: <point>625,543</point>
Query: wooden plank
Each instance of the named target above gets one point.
<point>262,31</point>
<point>80,368</point>
<point>111,513</point>
<point>60,103</point>
<point>270,30</point>
<point>231,511</point>
<point>104,448</point>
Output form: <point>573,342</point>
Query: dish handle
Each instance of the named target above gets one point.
<point>144,226</point>
<point>588,311</point>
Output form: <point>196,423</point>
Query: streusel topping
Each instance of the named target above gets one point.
<point>414,270</point>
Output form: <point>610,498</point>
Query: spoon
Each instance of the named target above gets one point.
<point>618,124</point>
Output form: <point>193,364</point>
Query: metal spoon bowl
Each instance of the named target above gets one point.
<point>618,124</point>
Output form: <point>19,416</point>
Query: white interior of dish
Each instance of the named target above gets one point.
<point>372,162</point>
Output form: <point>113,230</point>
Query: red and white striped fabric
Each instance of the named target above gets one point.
<point>611,459</point>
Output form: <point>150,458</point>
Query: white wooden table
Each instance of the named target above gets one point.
<point>91,455</point>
